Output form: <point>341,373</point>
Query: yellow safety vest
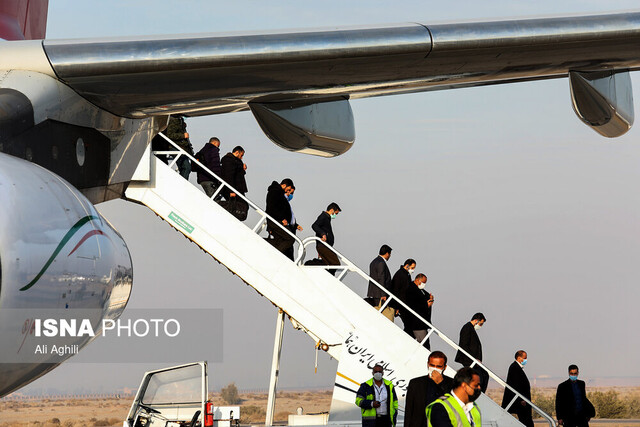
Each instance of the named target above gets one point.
<point>456,414</point>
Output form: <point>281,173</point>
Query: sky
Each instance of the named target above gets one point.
<point>509,204</point>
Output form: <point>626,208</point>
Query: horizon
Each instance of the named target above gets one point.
<point>536,383</point>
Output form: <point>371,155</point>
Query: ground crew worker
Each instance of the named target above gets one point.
<point>378,401</point>
<point>457,409</point>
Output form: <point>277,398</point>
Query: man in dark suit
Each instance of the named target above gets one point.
<point>399,284</point>
<point>573,409</point>
<point>419,301</point>
<point>279,209</point>
<point>379,271</point>
<point>517,379</point>
<point>324,231</point>
<point>424,390</point>
<point>233,171</point>
<point>470,342</point>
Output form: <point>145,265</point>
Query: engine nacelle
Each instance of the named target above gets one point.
<point>58,257</point>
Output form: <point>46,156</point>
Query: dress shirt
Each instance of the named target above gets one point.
<point>381,396</point>
<point>466,407</point>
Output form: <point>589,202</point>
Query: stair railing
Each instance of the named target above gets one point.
<point>345,267</point>
<point>348,266</point>
<point>264,218</point>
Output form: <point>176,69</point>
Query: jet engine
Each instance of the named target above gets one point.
<point>59,259</point>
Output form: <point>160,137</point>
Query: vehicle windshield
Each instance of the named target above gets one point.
<point>181,385</point>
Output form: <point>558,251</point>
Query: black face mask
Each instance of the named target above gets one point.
<point>475,395</point>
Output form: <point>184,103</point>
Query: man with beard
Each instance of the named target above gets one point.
<point>457,409</point>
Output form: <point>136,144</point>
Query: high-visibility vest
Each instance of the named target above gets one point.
<point>370,414</point>
<point>456,414</point>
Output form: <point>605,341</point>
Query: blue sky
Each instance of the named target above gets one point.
<point>509,203</point>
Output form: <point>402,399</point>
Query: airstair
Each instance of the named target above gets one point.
<point>339,321</point>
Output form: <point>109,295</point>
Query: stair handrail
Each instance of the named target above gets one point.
<point>264,217</point>
<point>350,266</point>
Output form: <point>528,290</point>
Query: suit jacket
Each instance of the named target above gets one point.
<point>517,379</point>
<point>566,404</point>
<point>322,227</point>
<point>379,272</point>
<point>420,393</point>
<point>211,159</point>
<point>399,284</point>
<point>232,170</point>
<point>470,342</point>
<point>417,299</point>
<point>277,205</point>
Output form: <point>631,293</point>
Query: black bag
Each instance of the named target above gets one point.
<point>236,207</point>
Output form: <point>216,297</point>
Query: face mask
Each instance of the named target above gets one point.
<point>333,216</point>
<point>432,370</point>
<point>289,197</point>
<point>411,270</point>
<point>524,362</point>
<point>573,377</point>
<point>377,376</point>
<point>422,286</point>
<point>477,326</point>
<point>475,395</point>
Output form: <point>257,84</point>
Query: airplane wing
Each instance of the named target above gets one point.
<point>288,77</point>
<point>208,74</point>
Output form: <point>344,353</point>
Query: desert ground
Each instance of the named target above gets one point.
<point>619,402</point>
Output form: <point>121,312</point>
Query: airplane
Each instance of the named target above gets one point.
<point>78,115</point>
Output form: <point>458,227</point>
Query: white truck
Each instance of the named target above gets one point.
<point>178,397</point>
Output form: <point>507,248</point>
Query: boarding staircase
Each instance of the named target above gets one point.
<point>318,303</point>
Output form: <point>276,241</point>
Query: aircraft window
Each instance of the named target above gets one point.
<point>80,154</point>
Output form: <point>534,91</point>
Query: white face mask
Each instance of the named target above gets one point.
<point>377,376</point>
<point>411,270</point>
<point>432,369</point>
<point>422,285</point>
<point>477,326</point>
